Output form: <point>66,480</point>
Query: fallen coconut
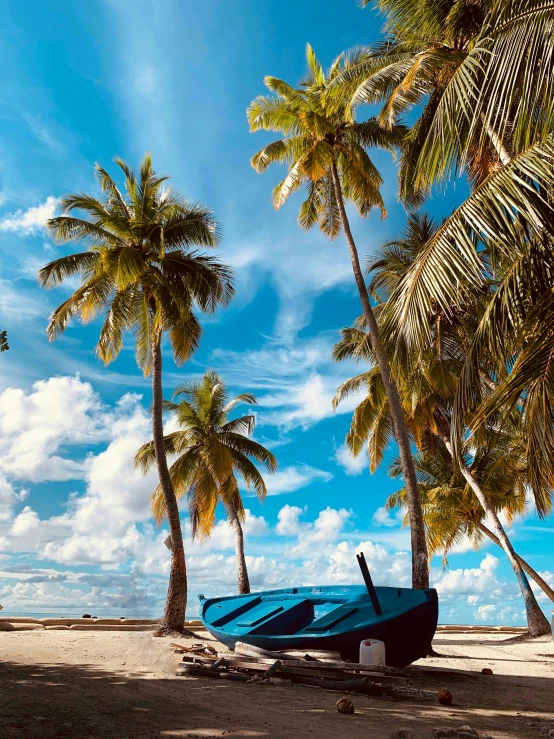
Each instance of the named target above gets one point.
<point>344,705</point>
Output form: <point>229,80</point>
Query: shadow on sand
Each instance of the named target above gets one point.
<point>78,702</point>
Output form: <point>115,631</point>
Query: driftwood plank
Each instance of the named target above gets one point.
<point>325,674</point>
<point>273,669</point>
<point>350,666</point>
<point>312,655</point>
<point>256,667</point>
<point>249,650</point>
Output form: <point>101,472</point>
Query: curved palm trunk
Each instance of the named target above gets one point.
<point>494,138</point>
<point>543,585</point>
<point>174,613</point>
<point>536,620</point>
<point>243,583</point>
<point>420,565</point>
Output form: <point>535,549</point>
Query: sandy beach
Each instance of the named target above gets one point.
<point>123,685</point>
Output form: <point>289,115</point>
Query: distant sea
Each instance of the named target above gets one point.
<point>73,614</point>
<point>192,613</point>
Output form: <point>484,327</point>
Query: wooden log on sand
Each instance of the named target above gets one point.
<point>6,626</point>
<point>19,620</point>
<point>138,621</point>
<point>57,628</point>
<point>286,668</point>
<point>27,627</point>
<point>249,650</point>
<point>327,666</point>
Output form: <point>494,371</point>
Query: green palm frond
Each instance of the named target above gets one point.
<point>451,258</point>
<point>54,273</point>
<point>354,344</point>
<point>500,90</point>
<point>353,386</point>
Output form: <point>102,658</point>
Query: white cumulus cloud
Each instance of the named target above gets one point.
<point>485,613</point>
<point>289,523</point>
<point>352,465</point>
<point>382,517</point>
<point>324,530</point>
<point>31,221</point>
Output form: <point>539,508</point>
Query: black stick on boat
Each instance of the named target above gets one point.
<point>332,617</point>
<point>369,583</point>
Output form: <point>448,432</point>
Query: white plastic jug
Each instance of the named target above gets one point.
<point>372,652</point>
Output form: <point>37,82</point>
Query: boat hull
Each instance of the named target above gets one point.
<point>407,634</point>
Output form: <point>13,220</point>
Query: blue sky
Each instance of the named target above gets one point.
<point>84,82</point>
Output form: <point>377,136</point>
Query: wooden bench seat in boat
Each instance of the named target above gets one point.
<point>332,618</point>
<point>257,616</point>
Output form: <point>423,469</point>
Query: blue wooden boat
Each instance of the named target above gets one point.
<point>334,618</point>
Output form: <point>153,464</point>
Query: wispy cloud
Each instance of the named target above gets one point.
<point>18,306</point>
<point>299,379</point>
<point>294,478</point>
<point>147,83</point>
<point>43,134</point>
<point>299,275</point>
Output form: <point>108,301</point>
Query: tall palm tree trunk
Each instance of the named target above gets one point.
<point>536,620</point>
<point>420,564</point>
<point>243,582</point>
<point>543,585</point>
<point>174,613</point>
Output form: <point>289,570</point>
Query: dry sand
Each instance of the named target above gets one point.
<point>77,684</point>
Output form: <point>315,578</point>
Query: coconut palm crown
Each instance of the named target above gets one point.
<point>319,132</point>
<point>140,269</point>
<point>210,451</point>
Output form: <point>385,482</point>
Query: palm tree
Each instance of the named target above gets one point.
<point>490,115</point>
<point>142,273</point>
<point>4,347</point>
<point>210,451</point>
<point>428,383</point>
<point>448,503</point>
<point>325,149</point>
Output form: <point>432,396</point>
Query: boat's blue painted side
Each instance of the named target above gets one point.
<point>332,617</point>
